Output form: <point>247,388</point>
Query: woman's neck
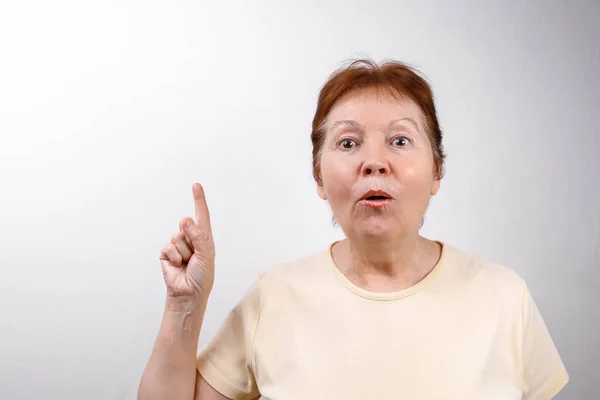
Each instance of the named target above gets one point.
<point>386,265</point>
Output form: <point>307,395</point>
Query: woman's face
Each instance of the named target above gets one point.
<point>377,143</point>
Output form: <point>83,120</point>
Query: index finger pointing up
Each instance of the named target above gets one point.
<point>202,215</point>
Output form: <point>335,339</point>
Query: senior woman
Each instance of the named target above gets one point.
<point>384,313</point>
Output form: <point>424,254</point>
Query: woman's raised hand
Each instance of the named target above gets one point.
<point>188,261</point>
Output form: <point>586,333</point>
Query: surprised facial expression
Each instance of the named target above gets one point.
<point>377,167</point>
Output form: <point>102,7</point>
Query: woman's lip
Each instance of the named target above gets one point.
<point>375,203</point>
<point>376,193</point>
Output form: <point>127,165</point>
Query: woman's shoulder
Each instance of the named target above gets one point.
<point>483,272</point>
<point>305,275</point>
<point>298,269</point>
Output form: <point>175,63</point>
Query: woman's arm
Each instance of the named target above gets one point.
<point>171,371</point>
<point>188,269</point>
<point>206,392</point>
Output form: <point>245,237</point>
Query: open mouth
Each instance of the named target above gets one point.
<point>376,195</point>
<point>376,199</point>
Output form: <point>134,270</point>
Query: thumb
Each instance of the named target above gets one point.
<point>200,238</point>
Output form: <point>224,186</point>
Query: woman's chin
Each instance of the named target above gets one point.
<point>376,230</point>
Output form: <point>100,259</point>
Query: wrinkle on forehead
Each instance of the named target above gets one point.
<point>382,94</point>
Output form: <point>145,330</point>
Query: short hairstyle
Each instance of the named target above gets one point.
<point>391,77</point>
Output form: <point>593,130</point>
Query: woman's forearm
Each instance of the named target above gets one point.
<point>171,370</point>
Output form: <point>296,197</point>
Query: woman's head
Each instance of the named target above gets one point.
<point>376,128</point>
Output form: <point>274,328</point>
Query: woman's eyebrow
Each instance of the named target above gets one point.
<point>352,123</point>
<point>349,122</point>
<point>409,119</point>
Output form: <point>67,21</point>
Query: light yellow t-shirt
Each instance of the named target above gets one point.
<point>468,330</point>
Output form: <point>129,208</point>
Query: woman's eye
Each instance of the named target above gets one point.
<point>347,144</point>
<point>401,141</point>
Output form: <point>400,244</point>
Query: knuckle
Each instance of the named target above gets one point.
<point>163,254</point>
<point>173,253</point>
<point>184,250</point>
<point>177,236</point>
<point>204,236</point>
<point>176,252</point>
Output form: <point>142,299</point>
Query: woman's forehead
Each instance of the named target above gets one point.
<point>373,108</point>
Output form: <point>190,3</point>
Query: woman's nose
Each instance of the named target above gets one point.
<point>375,164</point>
<point>375,161</point>
<point>375,169</point>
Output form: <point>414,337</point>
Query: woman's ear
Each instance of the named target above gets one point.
<point>435,187</point>
<point>321,191</point>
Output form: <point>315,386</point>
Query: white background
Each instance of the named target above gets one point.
<point>109,111</point>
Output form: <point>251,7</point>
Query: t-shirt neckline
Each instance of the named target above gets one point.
<point>399,294</point>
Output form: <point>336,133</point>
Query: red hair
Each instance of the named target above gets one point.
<point>392,77</point>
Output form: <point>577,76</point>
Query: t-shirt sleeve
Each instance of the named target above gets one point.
<point>544,373</point>
<point>226,361</point>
